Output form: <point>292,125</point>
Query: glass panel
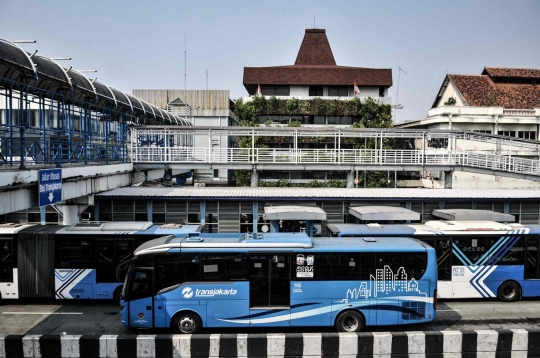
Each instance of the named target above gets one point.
<point>73,253</point>
<point>280,281</point>
<point>141,284</point>
<point>6,261</point>
<point>258,281</point>
<point>106,270</point>
<point>531,262</point>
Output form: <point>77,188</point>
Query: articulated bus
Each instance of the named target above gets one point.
<point>279,279</point>
<point>476,259</point>
<point>72,262</point>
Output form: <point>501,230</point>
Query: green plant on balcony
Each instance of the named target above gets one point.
<point>304,107</point>
<point>292,104</point>
<point>294,123</point>
<point>272,105</point>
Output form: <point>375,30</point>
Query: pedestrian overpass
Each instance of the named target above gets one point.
<point>154,147</point>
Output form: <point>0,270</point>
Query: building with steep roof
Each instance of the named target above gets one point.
<point>315,74</point>
<point>499,101</point>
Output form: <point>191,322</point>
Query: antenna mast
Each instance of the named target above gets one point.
<point>397,92</point>
<point>207,80</point>
<point>185,67</point>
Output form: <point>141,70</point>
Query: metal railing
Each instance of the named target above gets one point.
<point>22,146</point>
<point>440,157</point>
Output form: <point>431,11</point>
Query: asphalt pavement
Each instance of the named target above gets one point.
<point>76,317</point>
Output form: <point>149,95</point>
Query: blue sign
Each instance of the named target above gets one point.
<point>50,186</point>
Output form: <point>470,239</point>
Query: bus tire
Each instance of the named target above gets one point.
<point>350,321</point>
<point>509,291</point>
<point>186,322</point>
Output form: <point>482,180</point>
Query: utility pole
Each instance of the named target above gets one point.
<point>397,93</point>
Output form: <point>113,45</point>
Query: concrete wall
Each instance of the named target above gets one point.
<point>464,180</point>
<point>299,91</point>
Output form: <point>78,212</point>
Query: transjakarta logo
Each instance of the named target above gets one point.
<point>187,292</point>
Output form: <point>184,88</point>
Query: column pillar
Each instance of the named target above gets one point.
<point>255,215</point>
<point>350,179</point>
<point>254,178</point>
<point>150,209</point>
<point>70,214</point>
<point>448,179</point>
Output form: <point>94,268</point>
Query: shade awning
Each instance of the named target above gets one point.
<point>472,215</point>
<point>382,213</point>
<point>294,213</point>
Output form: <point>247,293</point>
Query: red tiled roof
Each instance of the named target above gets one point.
<point>481,91</point>
<point>315,65</point>
<point>512,72</point>
<point>315,49</point>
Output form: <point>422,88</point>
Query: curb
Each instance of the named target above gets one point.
<point>485,343</point>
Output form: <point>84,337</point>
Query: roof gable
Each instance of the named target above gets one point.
<point>315,49</point>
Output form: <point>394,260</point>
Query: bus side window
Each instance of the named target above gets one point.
<point>6,261</point>
<point>345,266</point>
<point>474,247</point>
<point>73,253</point>
<point>189,268</point>
<point>515,254</point>
<point>224,267</point>
<point>315,267</point>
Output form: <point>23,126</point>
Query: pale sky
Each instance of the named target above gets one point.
<point>140,44</point>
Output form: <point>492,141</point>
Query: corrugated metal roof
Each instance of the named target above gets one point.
<point>383,213</point>
<point>472,215</point>
<point>288,212</point>
<point>322,193</point>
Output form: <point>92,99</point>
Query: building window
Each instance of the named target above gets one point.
<point>381,91</point>
<point>527,135</point>
<point>276,90</point>
<point>315,91</point>
<point>507,133</point>
<point>216,173</point>
<point>340,120</point>
<point>338,91</point>
<point>482,131</point>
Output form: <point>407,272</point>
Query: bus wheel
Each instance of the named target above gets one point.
<point>187,323</point>
<point>509,291</point>
<point>350,321</point>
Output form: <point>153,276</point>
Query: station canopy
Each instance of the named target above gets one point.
<point>382,213</point>
<point>472,215</point>
<point>294,213</point>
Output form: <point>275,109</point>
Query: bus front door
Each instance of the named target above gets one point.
<point>270,290</point>
<point>141,299</point>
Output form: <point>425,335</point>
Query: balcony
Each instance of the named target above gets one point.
<point>381,100</point>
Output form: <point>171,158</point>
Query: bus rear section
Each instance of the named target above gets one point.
<point>285,279</point>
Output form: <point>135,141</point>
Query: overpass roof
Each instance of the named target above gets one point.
<point>377,213</point>
<point>472,215</point>
<point>48,75</point>
<point>287,212</point>
<point>288,194</point>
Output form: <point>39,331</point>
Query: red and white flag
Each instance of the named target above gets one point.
<point>259,92</point>
<point>356,89</point>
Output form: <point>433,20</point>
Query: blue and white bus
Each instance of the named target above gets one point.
<point>72,262</point>
<point>279,279</point>
<point>476,259</point>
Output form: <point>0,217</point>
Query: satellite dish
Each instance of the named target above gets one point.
<point>264,228</point>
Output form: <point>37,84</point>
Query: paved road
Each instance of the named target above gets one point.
<point>104,318</point>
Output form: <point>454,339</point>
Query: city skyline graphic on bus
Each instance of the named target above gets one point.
<point>383,283</point>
